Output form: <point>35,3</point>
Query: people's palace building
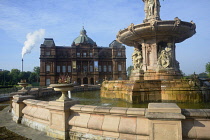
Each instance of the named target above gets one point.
<point>84,62</point>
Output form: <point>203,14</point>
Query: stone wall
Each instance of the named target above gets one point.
<point>67,119</point>
<point>176,90</point>
<point>96,122</point>
<point>132,91</point>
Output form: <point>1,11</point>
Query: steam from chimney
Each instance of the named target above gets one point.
<point>32,39</point>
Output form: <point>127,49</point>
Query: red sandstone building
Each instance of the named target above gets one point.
<point>83,61</point>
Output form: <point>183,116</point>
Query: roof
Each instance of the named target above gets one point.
<point>49,42</point>
<point>83,38</point>
<point>116,44</point>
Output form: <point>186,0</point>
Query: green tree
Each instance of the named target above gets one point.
<point>33,77</point>
<point>14,73</point>
<point>24,75</point>
<point>208,68</point>
<point>129,69</point>
<point>37,72</point>
<point>4,77</point>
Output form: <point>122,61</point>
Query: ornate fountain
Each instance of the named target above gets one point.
<point>156,75</point>
<point>154,42</point>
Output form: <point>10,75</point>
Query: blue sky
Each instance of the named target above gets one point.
<point>102,19</point>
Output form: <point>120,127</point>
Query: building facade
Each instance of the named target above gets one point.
<point>84,62</point>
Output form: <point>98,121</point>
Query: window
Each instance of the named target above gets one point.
<point>110,68</point>
<point>47,53</point>
<point>78,54</point>
<point>63,68</point>
<point>91,54</point>
<point>47,68</point>
<point>118,53</point>
<point>47,82</point>
<point>84,54</point>
<point>69,68</point>
<point>58,69</point>
<point>84,68</point>
<point>91,68</point>
<point>119,67</point>
<point>96,65</point>
<point>105,68</point>
<point>99,68</point>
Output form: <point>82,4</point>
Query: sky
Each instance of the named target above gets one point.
<point>62,20</point>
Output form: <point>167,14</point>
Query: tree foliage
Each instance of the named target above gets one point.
<point>129,69</point>
<point>208,68</point>
<point>14,76</point>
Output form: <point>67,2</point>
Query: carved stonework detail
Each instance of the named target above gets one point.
<point>193,27</point>
<point>137,59</point>
<point>131,28</point>
<point>177,21</point>
<point>152,10</point>
<point>165,58</point>
<point>153,24</point>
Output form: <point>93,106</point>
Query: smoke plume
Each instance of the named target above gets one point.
<point>32,39</point>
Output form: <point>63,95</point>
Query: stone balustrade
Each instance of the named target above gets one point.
<point>96,122</point>
<point>35,111</point>
<point>197,124</point>
<point>68,119</point>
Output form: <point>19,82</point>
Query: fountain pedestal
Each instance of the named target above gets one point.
<point>64,88</point>
<point>60,110</point>
<point>23,85</point>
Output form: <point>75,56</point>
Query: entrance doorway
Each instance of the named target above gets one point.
<point>92,81</point>
<point>78,81</point>
<point>85,80</point>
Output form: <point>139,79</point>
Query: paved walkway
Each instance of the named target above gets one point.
<point>6,120</point>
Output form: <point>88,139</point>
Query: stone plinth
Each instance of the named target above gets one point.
<point>162,75</point>
<point>59,113</point>
<point>11,97</point>
<point>137,75</point>
<point>18,106</point>
<point>164,121</point>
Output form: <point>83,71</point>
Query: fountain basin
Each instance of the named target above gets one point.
<point>178,30</point>
<point>64,88</point>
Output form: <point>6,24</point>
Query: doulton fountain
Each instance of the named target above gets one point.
<point>156,74</point>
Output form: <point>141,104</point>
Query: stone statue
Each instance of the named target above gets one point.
<point>137,59</point>
<point>165,56</point>
<point>163,60</point>
<point>151,9</point>
<point>131,28</point>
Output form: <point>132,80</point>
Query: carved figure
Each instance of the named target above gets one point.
<point>146,8</point>
<point>137,59</point>
<point>163,60</point>
<point>151,9</point>
<point>177,21</point>
<point>131,28</point>
<point>165,57</point>
<point>193,27</point>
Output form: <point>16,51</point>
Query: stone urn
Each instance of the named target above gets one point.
<point>23,84</point>
<point>64,88</point>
